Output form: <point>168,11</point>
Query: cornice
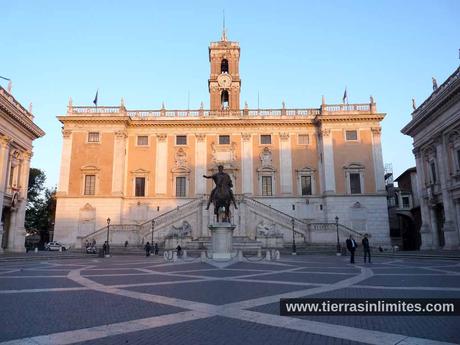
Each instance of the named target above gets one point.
<point>18,114</point>
<point>350,117</point>
<point>436,103</point>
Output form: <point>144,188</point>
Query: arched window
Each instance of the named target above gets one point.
<point>224,66</point>
<point>224,99</point>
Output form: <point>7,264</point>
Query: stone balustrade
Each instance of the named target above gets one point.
<point>333,109</point>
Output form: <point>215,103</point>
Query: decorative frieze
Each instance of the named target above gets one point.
<point>246,136</point>
<point>162,137</point>
<point>121,134</point>
<point>66,133</point>
<point>325,132</point>
<point>284,136</point>
<point>200,137</point>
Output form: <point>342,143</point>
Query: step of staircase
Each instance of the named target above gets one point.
<point>239,243</point>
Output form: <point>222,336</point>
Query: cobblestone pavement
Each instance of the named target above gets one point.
<point>138,300</point>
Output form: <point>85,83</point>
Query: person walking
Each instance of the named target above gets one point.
<point>366,248</point>
<point>351,246</point>
<point>147,249</point>
<point>155,247</point>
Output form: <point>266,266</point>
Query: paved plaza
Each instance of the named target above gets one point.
<point>139,300</point>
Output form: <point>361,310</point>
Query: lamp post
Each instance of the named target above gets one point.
<point>153,228</point>
<point>108,232</point>
<point>294,252</point>
<point>338,240</point>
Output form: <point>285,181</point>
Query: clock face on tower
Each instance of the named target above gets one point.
<point>224,80</point>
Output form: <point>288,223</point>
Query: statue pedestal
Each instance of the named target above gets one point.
<point>222,240</point>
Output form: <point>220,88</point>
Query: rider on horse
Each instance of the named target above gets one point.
<point>221,179</point>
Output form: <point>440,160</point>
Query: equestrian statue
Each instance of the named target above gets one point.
<point>221,195</point>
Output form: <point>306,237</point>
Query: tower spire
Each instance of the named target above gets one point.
<point>224,31</point>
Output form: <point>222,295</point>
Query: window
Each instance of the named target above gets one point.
<point>224,139</point>
<point>303,139</point>
<point>351,135</point>
<point>93,137</point>
<point>180,186</point>
<point>265,139</point>
<point>10,183</point>
<point>90,184</point>
<point>140,186</point>
<point>458,159</point>
<point>266,185</point>
<point>305,184</point>
<point>405,202</point>
<point>142,140</point>
<point>433,172</point>
<point>355,183</point>
<point>181,140</point>
<point>224,66</point>
<point>224,99</point>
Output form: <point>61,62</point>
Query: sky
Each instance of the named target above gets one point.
<point>149,52</point>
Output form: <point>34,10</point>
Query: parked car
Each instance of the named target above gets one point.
<point>91,250</point>
<point>55,246</point>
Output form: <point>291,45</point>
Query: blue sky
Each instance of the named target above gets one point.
<point>154,51</point>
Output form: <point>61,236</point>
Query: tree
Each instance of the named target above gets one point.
<point>41,205</point>
<point>36,186</point>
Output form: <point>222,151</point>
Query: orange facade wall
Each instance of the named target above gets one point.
<point>99,155</point>
<point>347,152</point>
<point>304,156</point>
<point>140,157</point>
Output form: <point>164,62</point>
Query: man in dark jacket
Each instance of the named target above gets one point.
<point>351,246</point>
<point>147,249</point>
<point>366,248</point>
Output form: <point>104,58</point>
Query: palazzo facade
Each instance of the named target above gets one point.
<point>17,131</point>
<point>435,129</point>
<point>298,168</point>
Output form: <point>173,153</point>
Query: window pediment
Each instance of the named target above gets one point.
<point>266,169</point>
<point>140,172</point>
<point>181,170</point>
<point>354,166</point>
<point>87,207</point>
<point>306,170</point>
<point>90,169</point>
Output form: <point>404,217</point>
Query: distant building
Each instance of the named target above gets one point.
<point>404,211</point>
<point>132,166</point>
<point>435,128</point>
<point>17,131</point>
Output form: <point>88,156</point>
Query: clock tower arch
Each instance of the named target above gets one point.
<point>224,81</point>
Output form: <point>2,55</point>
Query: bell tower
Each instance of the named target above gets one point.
<point>224,81</point>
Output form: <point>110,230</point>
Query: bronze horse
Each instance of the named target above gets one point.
<point>222,198</point>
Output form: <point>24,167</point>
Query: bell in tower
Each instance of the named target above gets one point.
<point>224,81</point>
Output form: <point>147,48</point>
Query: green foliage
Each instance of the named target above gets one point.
<point>36,186</point>
<point>41,204</point>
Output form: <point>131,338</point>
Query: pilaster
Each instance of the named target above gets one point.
<point>328,161</point>
<point>285,164</point>
<point>449,228</point>
<point>119,158</point>
<point>161,165</point>
<point>17,231</point>
<point>200,163</point>
<point>63,187</point>
<point>425,229</point>
<point>378,160</point>
<point>4,159</point>
<point>247,163</point>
